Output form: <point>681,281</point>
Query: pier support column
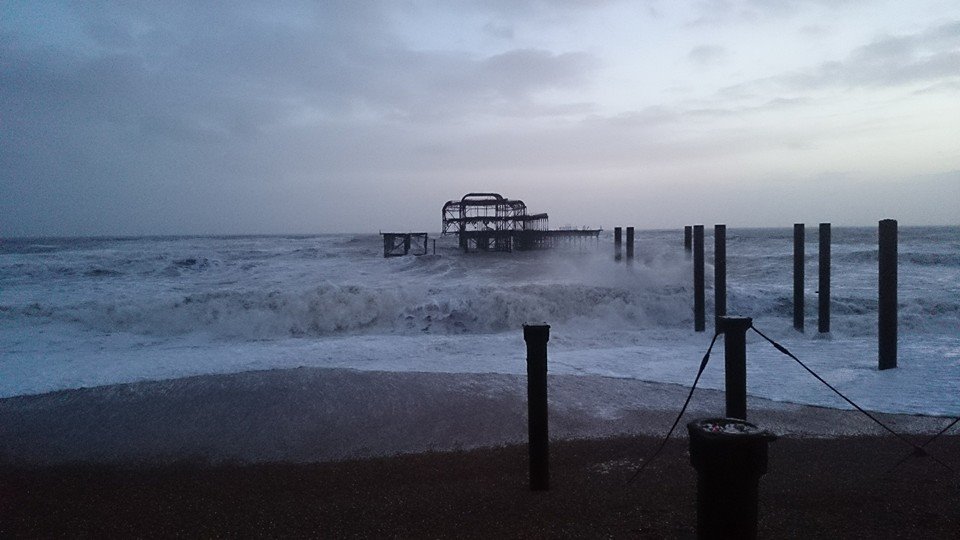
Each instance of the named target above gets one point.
<point>629,244</point>
<point>887,291</point>
<point>536,337</point>
<point>799,238</point>
<point>617,243</point>
<point>687,238</point>
<point>719,274</point>
<point>823,286</point>
<point>699,301</point>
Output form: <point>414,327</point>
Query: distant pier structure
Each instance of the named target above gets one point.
<point>400,244</point>
<point>490,222</point>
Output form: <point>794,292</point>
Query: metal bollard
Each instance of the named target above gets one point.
<point>536,338</point>
<point>730,456</point>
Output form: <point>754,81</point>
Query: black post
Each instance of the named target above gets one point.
<point>617,243</point>
<point>730,456</point>
<point>735,364</point>
<point>823,287</point>
<point>887,304</point>
<point>629,244</point>
<point>687,237</point>
<point>798,241</point>
<point>536,337</point>
<point>719,274</point>
<point>699,316</point>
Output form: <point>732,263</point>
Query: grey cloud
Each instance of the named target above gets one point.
<point>158,116</point>
<point>719,12</point>
<point>931,58</point>
<point>501,31</point>
<point>928,56</point>
<point>705,55</point>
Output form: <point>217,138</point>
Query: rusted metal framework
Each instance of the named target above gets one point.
<point>400,244</point>
<point>490,222</point>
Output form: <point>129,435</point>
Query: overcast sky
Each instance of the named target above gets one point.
<point>307,117</point>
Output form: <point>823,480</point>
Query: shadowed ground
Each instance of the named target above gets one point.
<point>816,488</point>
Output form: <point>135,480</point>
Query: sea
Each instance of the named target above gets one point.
<point>88,312</point>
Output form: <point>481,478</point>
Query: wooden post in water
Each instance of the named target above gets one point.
<point>823,287</point>
<point>629,244</point>
<point>687,238</point>
<point>798,241</point>
<point>887,290</point>
<point>719,274</point>
<point>735,363</point>
<point>536,337</point>
<point>617,243</point>
<point>699,317</point>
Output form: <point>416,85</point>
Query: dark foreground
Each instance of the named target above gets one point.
<point>816,488</point>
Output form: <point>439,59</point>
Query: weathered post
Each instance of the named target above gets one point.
<point>823,286</point>
<point>699,316</point>
<point>617,243</point>
<point>536,337</point>
<point>719,274</point>
<point>629,244</point>
<point>887,301</point>
<point>735,364</point>
<point>798,241</point>
<point>687,238</point>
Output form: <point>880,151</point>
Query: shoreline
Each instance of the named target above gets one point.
<point>311,415</point>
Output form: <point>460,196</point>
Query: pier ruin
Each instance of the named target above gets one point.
<point>490,222</point>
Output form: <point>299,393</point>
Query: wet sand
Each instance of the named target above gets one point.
<point>310,415</point>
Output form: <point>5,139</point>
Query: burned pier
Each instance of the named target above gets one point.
<point>490,222</point>
<point>400,244</point>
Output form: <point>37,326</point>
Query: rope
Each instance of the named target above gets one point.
<point>921,451</point>
<point>918,450</point>
<point>683,409</point>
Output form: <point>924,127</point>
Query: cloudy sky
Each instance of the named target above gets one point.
<point>327,116</point>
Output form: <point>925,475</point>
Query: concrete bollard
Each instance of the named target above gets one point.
<point>730,456</point>
<point>536,337</point>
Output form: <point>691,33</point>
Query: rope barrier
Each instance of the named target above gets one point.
<point>663,443</point>
<point>918,450</point>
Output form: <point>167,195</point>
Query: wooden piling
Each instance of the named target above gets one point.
<point>699,322</point>
<point>887,292</point>
<point>617,243</point>
<point>798,264</point>
<point>687,237</point>
<point>629,244</point>
<point>719,274</point>
<point>536,337</point>
<point>823,286</point>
